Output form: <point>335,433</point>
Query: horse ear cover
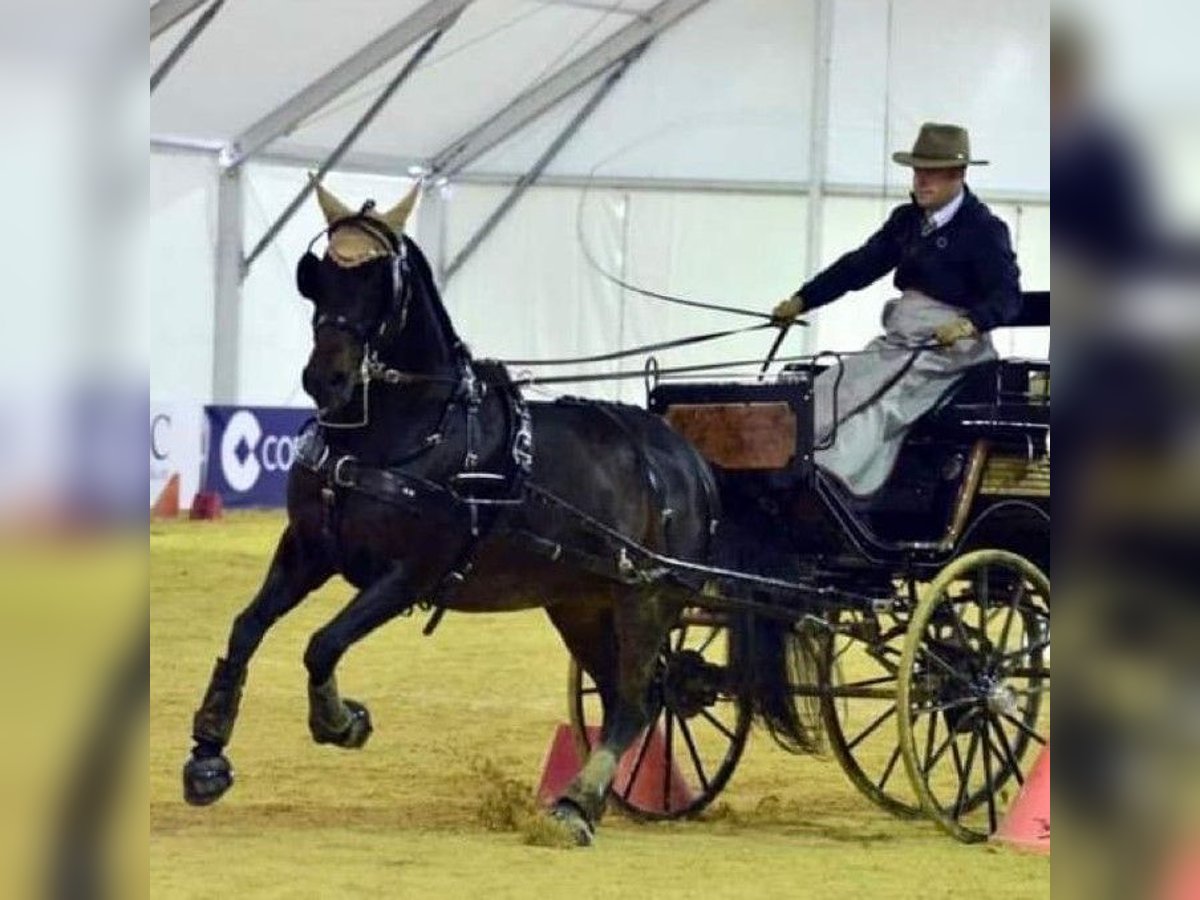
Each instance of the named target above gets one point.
<point>307,271</point>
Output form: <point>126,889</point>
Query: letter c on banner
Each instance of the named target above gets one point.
<point>161,420</point>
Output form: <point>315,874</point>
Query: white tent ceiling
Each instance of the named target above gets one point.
<point>724,94</point>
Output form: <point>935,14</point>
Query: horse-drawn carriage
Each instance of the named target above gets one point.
<point>704,574</point>
<point>922,613</point>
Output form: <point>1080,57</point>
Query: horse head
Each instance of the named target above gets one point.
<point>361,290</point>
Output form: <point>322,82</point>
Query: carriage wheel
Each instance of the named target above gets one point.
<point>860,666</point>
<point>974,688</point>
<point>699,731</point>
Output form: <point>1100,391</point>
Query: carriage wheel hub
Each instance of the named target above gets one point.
<point>690,683</point>
<point>1001,699</point>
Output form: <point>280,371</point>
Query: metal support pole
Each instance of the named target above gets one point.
<point>184,43</point>
<point>818,144</point>
<point>530,178</point>
<point>349,139</point>
<point>227,309</point>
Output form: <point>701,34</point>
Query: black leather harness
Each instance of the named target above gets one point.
<point>480,494</point>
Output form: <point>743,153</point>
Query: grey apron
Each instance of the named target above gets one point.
<point>883,390</point>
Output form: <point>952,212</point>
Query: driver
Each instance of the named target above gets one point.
<point>958,278</point>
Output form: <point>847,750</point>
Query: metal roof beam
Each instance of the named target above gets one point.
<point>432,15</point>
<point>530,178</point>
<point>176,54</point>
<point>603,6</point>
<point>166,13</point>
<point>539,98</point>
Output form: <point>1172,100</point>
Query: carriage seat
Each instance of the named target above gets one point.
<point>1006,401</point>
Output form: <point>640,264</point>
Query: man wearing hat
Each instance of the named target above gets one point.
<point>958,278</point>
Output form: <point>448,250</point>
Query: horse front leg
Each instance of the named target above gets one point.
<point>295,572</point>
<point>332,719</point>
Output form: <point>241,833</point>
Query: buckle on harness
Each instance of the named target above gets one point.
<point>338,479</point>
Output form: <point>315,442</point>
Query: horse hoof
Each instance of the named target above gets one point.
<point>573,819</point>
<point>354,735</point>
<point>206,779</point>
<point>360,725</point>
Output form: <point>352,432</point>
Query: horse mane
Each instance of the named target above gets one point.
<point>420,268</point>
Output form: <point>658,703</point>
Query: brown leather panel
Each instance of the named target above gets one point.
<point>739,435</point>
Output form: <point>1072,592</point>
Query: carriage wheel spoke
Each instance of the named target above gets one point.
<point>870,729</point>
<point>718,724</point>
<point>1025,729</point>
<point>1009,756</point>
<point>641,757</point>
<point>956,621</point>
<point>833,689</point>
<point>590,690</point>
<point>929,738</point>
<point>887,771</point>
<point>965,774</point>
<point>947,744</point>
<point>987,775</point>
<point>682,636</point>
<point>712,636</point>
<point>942,707</point>
<point>1033,648</point>
<point>1018,596</point>
<point>1028,673</point>
<point>949,669</point>
<point>982,586</point>
<point>695,755</point>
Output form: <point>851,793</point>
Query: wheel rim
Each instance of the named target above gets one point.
<point>858,700</point>
<point>701,725</point>
<point>974,689</point>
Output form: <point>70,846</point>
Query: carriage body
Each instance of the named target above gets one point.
<point>967,503</point>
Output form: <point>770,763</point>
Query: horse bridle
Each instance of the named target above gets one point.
<point>396,251</point>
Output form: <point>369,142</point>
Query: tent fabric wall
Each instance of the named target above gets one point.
<point>529,291</point>
<point>181,240</point>
<point>721,100</point>
<point>896,64</point>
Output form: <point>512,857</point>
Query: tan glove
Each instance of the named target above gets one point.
<point>786,311</point>
<point>955,330</point>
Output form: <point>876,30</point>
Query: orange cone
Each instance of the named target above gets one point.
<point>1027,825</point>
<point>563,764</point>
<point>206,505</point>
<point>167,504</point>
<point>1182,881</point>
<point>652,778</point>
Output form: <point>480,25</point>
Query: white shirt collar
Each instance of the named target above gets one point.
<point>946,213</point>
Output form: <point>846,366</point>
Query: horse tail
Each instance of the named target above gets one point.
<point>768,658</point>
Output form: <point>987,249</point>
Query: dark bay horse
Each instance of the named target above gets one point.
<point>418,486</point>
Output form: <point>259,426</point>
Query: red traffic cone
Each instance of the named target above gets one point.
<point>206,505</point>
<point>166,506</point>
<point>1027,824</point>
<point>563,764</point>
<point>1182,881</point>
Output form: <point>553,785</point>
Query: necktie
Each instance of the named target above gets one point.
<point>928,226</point>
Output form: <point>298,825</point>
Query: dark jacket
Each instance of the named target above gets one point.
<point>968,263</point>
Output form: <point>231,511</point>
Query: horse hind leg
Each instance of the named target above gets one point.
<point>294,573</point>
<point>640,622</point>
